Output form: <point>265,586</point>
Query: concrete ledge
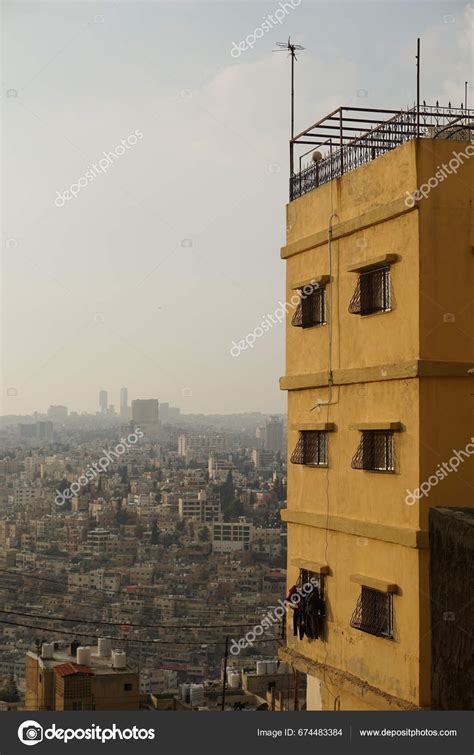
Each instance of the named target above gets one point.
<point>373,217</point>
<point>318,280</point>
<point>394,426</point>
<point>376,584</point>
<point>313,566</point>
<point>372,264</point>
<point>327,427</point>
<point>413,369</point>
<point>406,536</point>
<point>433,368</point>
<point>374,697</point>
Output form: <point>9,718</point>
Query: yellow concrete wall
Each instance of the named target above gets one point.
<point>108,692</point>
<point>357,494</point>
<point>389,665</point>
<point>381,338</point>
<point>379,182</point>
<point>446,254</point>
<point>39,686</point>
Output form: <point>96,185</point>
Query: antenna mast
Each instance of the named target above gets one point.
<point>418,88</point>
<point>291,49</point>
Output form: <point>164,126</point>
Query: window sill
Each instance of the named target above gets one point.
<point>374,583</point>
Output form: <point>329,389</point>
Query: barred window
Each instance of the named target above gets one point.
<point>314,578</point>
<point>311,310</point>
<point>310,610</point>
<point>374,613</point>
<point>372,292</point>
<point>375,452</point>
<point>311,449</point>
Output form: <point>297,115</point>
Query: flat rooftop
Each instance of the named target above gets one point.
<point>98,665</point>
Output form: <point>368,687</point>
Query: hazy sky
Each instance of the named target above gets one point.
<point>147,277</point>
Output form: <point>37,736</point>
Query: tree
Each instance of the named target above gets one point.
<point>204,534</point>
<point>155,534</point>
<point>9,692</point>
<point>227,489</point>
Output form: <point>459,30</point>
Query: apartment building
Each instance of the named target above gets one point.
<point>379,377</point>
<point>98,579</point>
<point>232,536</point>
<point>203,507</point>
<point>80,678</point>
<point>263,459</point>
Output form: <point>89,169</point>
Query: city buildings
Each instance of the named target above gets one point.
<point>273,440</point>
<point>57,413</point>
<point>379,383</point>
<point>36,432</point>
<point>103,402</point>
<point>145,414</point>
<point>124,408</point>
<point>135,547</point>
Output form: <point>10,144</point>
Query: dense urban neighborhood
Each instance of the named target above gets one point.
<point>166,553</point>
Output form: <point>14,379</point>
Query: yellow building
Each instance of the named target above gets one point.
<point>379,338</point>
<point>55,680</point>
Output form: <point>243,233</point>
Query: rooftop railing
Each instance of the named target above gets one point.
<point>346,150</point>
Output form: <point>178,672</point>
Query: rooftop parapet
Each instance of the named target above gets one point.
<point>351,136</point>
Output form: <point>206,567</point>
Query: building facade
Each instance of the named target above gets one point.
<point>145,414</point>
<point>232,536</point>
<point>380,400</point>
<point>56,681</point>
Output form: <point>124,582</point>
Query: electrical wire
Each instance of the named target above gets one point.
<point>157,643</point>
<point>154,626</point>
<point>125,622</point>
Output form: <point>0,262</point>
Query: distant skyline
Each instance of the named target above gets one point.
<point>170,252</point>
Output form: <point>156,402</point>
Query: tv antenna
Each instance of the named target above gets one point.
<point>291,49</point>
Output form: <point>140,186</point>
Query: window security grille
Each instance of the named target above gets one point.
<point>309,613</point>
<point>311,577</point>
<point>311,310</point>
<point>372,293</point>
<point>375,452</point>
<point>311,449</point>
<point>374,613</point>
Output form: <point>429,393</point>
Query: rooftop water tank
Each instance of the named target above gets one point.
<point>83,655</point>
<point>119,659</point>
<point>47,650</point>
<point>261,668</point>
<point>234,680</point>
<point>105,647</point>
<point>196,694</point>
